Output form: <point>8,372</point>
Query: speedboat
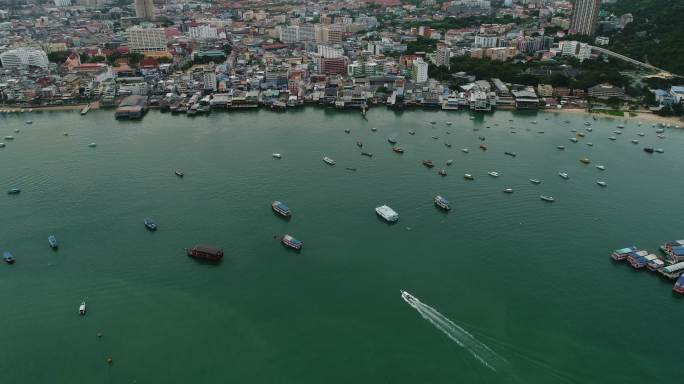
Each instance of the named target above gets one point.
<point>179,173</point>
<point>277,156</point>
<point>7,256</point>
<point>602,183</point>
<point>391,140</point>
<point>92,145</point>
<point>150,224</point>
<point>281,209</point>
<point>82,308</point>
<point>508,190</point>
<point>535,181</point>
<point>449,162</point>
<point>368,154</point>
<point>465,150</point>
<point>468,176</point>
<point>561,147</point>
<point>329,161</point>
<point>398,149</point>
<point>52,240</point>
<point>13,191</point>
<point>563,175</point>
<point>442,203</point>
<point>442,172</point>
<point>550,199</point>
<point>601,167</point>
<point>65,134</point>
<point>428,163</point>
<point>493,173</point>
<point>585,160</point>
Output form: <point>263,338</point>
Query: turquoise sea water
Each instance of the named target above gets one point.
<point>530,280</point>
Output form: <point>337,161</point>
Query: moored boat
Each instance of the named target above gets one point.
<point>359,144</point>
<point>601,167</point>
<point>391,140</point>
<point>660,150</point>
<point>442,203</point>
<point>8,257</point>
<point>347,131</point>
<point>281,209</point>
<point>508,190</point>
<point>52,240</point>
<point>465,150</point>
<point>493,173</point>
<point>204,252</point>
<point>590,144</point>
<point>428,163</point>
<point>573,139</point>
<point>622,254</point>
<point>585,160</point>
<point>2,145</point>
<point>679,285</point>
<point>9,137</point>
<point>387,213</point>
<point>468,176</point>
<point>601,183</point>
<point>550,199</point>
<point>411,132</point>
<point>398,149</point>
<point>561,147</point>
<point>277,156</point>
<point>580,134</point>
<point>374,129</point>
<point>535,181</point>
<point>564,175</point>
<point>13,191</point>
<point>291,242</point>
<point>483,147</point>
<point>179,173</point>
<point>648,149</point>
<point>82,308</point>
<point>328,160</point>
<point>612,138</point>
<point>92,145</point>
<point>449,162</point>
<point>150,224</point>
<point>635,141</point>
<point>442,172</point>
<point>511,154</point>
<point>368,154</point>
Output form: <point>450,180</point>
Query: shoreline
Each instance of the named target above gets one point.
<point>641,116</point>
<point>51,108</point>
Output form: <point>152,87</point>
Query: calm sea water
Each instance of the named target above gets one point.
<point>530,280</point>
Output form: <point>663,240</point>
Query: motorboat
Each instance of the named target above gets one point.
<point>535,181</point>
<point>585,160</point>
<point>564,175</point>
<point>550,199</point>
<point>13,191</point>
<point>659,150</point>
<point>179,173</point>
<point>329,161</point>
<point>277,156</point>
<point>468,176</point>
<point>447,145</point>
<point>367,154</point>
<point>561,147</point>
<point>601,167</point>
<point>465,150</point>
<point>398,149</point>
<point>613,138</point>
<point>508,190</point>
<point>374,129</point>
<point>150,224</point>
<point>648,149</point>
<point>428,163</point>
<point>291,242</point>
<point>347,131</point>
<point>449,162</point>
<point>442,172</point>
<point>635,141</point>
<point>493,173</point>
<point>82,308</point>
<point>511,154</point>
<point>92,145</point>
<point>442,203</point>
<point>573,139</point>
<point>359,144</point>
<point>52,240</point>
<point>590,144</point>
<point>391,140</point>
<point>411,132</point>
<point>387,213</point>
<point>602,183</point>
<point>8,257</point>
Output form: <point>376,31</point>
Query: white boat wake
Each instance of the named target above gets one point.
<point>463,338</point>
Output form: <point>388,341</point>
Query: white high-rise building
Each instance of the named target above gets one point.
<point>289,34</point>
<point>62,3</point>
<point>486,41</point>
<point>420,71</point>
<point>443,55</point>
<point>209,80</point>
<point>144,9</point>
<point>203,32</point>
<point>146,39</point>
<point>24,56</point>
<point>581,51</point>
<point>329,52</point>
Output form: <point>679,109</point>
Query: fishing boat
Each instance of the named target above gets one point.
<point>580,134</point>
<point>648,149</point>
<point>535,181</point>
<point>13,191</point>
<point>204,252</point>
<point>442,203</point>
<point>368,154</point>
<point>277,156</point>
<point>561,147</point>
<point>179,173</point>
<point>602,183</point>
<point>391,140</point>
<point>82,308</point>
<point>447,145</point>
<point>328,160</point>
<point>449,162</point>
<point>613,138</point>
<point>483,147</point>
<point>601,167</point>
<point>508,190</point>
<point>573,139</point>
<point>359,144</point>
<point>398,149</point>
<point>387,213</point>
<point>493,173</point>
<point>428,163</point>
<point>564,175</point>
<point>465,150</point>
<point>442,172</point>
<point>52,240</point>
<point>511,154</point>
<point>411,132</point>
<point>9,137</point>
<point>92,145</point>
<point>280,209</point>
<point>291,242</point>
<point>585,160</point>
<point>468,176</point>
<point>150,224</point>
<point>7,257</point>
<point>635,141</point>
<point>660,150</point>
<point>347,131</point>
<point>550,199</point>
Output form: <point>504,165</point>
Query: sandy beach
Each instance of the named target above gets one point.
<point>55,108</point>
<point>645,117</point>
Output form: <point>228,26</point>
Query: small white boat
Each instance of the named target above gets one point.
<point>29,122</point>
<point>508,190</point>
<point>328,160</point>
<point>374,129</point>
<point>448,123</point>
<point>16,131</point>
<point>601,167</point>
<point>65,134</point>
<point>277,155</point>
<point>449,162</point>
<point>621,126</point>
<point>641,134</point>
<point>561,147</point>
<point>92,145</point>
<point>659,150</point>
<point>9,137</point>
<point>590,144</point>
<point>493,173</point>
<point>563,175</point>
<point>573,130</point>
<point>535,181</point>
<point>602,183</point>
<point>617,132</point>
<point>573,139</point>
<point>589,129</point>
<point>82,308</point>
<point>550,199</point>
<point>465,150</point>
<point>635,141</point>
<point>661,136</point>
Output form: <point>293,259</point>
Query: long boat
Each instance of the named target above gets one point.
<point>291,242</point>
<point>204,252</point>
<point>281,209</point>
<point>442,203</point>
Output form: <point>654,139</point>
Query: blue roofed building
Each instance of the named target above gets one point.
<point>663,97</point>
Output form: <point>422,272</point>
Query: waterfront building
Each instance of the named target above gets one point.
<point>141,40</point>
<point>209,77</point>
<point>526,99</point>
<point>420,71</point>
<point>144,9</point>
<point>545,90</point>
<point>24,56</point>
<point>606,91</point>
<point>585,17</point>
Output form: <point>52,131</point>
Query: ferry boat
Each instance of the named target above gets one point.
<point>660,150</point>
<point>465,150</point>
<point>7,257</point>
<point>398,149</point>
<point>277,156</point>
<point>391,140</point>
<point>179,173</point>
<point>82,308</point>
<point>92,145</point>
<point>573,139</point>
<point>602,183</point>
<point>428,163</point>
<point>204,252</point>
<point>52,240</point>
<point>449,162</point>
<point>411,132</point>
<point>13,191</point>
<point>150,224</point>
<point>387,213</point>
<point>585,160</point>
<point>601,167</point>
<point>281,209</point>
<point>622,254</point>
<point>550,199</point>
<point>508,190</point>
<point>329,161</point>
<point>291,242</point>
<point>468,176</point>
<point>368,154</point>
<point>359,144</point>
<point>613,138</point>
<point>442,173</point>
<point>493,173</point>
<point>535,181</point>
<point>648,149</point>
<point>483,147</point>
<point>679,285</point>
<point>442,203</point>
<point>561,147</point>
<point>563,175</point>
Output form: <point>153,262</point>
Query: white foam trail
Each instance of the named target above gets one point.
<point>460,336</point>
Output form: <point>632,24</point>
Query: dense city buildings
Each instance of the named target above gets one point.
<point>144,9</point>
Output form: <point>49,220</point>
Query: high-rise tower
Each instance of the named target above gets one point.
<point>585,17</point>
